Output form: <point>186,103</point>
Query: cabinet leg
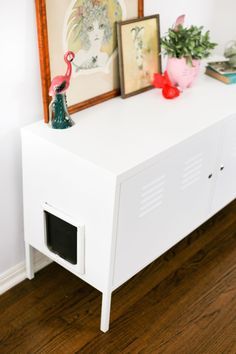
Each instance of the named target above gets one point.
<point>29,261</point>
<point>105,316</point>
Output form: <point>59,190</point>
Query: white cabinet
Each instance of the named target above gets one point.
<point>165,202</point>
<point>188,184</point>
<point>225,189</point>
<point>135,176</point>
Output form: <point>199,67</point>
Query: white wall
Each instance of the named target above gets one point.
<point>20,97</point>
<point>20,94</point>
<point>223,22</point>
<point>197,12</point>
<point>216,15</point>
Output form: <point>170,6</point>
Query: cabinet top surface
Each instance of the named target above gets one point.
<point>120,135</point>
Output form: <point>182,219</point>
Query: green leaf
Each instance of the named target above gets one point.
<point>187,42</point>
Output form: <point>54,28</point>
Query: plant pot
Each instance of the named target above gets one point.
<point>181,73</point>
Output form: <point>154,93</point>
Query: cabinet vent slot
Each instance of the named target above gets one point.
<point>151,196</point>
<point>192,171</point>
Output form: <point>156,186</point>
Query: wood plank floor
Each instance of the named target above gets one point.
<point>184,302</point>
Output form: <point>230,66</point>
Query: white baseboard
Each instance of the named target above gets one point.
<point>17,274</point>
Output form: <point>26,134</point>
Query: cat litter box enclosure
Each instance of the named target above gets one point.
<point>132,178</point>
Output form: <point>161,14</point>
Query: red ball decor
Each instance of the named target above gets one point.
<point>169,91</point>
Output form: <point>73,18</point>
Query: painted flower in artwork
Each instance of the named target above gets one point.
<point>138,40</point>
<point>90,32</point>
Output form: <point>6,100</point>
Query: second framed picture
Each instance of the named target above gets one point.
<point>139,54</point>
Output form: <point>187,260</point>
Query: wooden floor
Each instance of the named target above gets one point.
<point>185,302</point>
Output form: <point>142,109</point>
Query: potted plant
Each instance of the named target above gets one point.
<point>185,48</point>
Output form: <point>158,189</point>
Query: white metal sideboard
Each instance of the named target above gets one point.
<point>133,176</point>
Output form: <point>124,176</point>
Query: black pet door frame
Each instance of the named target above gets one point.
<point>64,238</point>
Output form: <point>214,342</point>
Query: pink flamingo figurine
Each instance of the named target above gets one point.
<point>58,111</point>
<point>61,83</point>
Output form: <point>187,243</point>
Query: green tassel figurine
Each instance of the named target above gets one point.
<point>60,117</point>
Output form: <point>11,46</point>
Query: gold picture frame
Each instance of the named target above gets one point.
<point>139,54</point>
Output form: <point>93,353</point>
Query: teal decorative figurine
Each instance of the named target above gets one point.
<point>230,53</point>
<point>58,111</point>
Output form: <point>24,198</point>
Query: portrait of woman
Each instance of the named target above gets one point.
<point>90,26</point>
<point>88,29</point>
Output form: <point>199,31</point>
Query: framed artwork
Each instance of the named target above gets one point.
<point>86,27</point>
<point>139,54</point>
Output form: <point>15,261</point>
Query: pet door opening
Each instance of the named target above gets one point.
<point>61,237</point>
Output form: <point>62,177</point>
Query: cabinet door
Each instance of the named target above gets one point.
<point>164,203</point>
<point>225,190</point>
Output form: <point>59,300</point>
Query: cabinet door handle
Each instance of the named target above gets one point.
<point>222,167</point>
<point>210,175</point>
